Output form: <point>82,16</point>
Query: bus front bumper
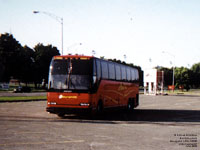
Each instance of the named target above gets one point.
<point>59,110</point>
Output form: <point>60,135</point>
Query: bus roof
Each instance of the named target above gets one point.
<point>73,56</point>
<point>88,57</point>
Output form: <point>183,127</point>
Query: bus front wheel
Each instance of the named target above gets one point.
<point>61,115</point>
<point>100,107</point>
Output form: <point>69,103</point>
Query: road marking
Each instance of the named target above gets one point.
<point>31,132</point>
<point>38,143</point>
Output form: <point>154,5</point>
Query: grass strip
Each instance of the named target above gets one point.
<point>15,98</point>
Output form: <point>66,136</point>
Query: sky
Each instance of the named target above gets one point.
<point>147,33</point>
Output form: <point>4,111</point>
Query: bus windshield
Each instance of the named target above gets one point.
<point>70,74</point>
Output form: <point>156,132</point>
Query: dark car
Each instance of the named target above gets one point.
<point>21,89</point>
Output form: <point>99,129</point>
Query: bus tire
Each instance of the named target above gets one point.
<point>99,107</point>
<point>130,105</point>
<point>61,115</point>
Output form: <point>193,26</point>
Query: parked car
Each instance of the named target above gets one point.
<point>21,89</point>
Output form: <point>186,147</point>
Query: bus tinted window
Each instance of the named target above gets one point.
<point>94,68</point>
<point>111,69</point>
<point>118,72</point>
<point>136,75</point>
<point>59,67</point>
<point>133,74</point>
<point>78,67</point>
<point>81,67</point>
<point>104,68</point>
<point>123,70</point>
<point>98,68</point>
<point>71,74</point>
<point>128,73</point>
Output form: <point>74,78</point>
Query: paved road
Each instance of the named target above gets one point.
<point>159,123</point>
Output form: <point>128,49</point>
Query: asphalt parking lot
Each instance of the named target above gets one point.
<point>159,123</point>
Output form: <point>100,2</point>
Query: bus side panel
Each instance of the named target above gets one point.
<point>131,91</point>
<point>115,93</point>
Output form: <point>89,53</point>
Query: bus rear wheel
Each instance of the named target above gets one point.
<point>130,105</point>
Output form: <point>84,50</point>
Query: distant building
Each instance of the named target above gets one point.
<point>153,82</point>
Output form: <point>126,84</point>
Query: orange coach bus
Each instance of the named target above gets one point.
<point>86,83</point>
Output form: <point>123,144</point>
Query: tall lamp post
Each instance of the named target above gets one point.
<point>59,19</point>
<point>172,66</point>
<point>125,58</point>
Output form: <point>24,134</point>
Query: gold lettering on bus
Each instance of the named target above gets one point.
<point>68,97</point>
<point>129,92</point>
<point>113,100</point>
<point>122,87</point>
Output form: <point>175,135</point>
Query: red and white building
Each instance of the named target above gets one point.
<point>153,82</point>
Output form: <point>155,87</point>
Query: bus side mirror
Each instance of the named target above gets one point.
<point>94,79</point>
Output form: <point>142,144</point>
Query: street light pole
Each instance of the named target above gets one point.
<point>125,58</point>
<point>62,35</point>
<point>59,19</point>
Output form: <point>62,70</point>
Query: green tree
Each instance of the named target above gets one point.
<point>28,66</point>
<point>168,75</point>
<point>42,58</point>
<point>10,57</point>
<point>195,71</point>
<point>183,77</point>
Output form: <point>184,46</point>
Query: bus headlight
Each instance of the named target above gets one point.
<point>60,96</point>
<point>51,103</point>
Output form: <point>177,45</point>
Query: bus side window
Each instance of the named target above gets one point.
<point>133,75</point>
<point>136,75</point>
<point>123,69</point>
<point>128,73</point>
<point>111,70</point>
<point>98,69</point>
<point>118,72</point>
<point>104,68</point>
